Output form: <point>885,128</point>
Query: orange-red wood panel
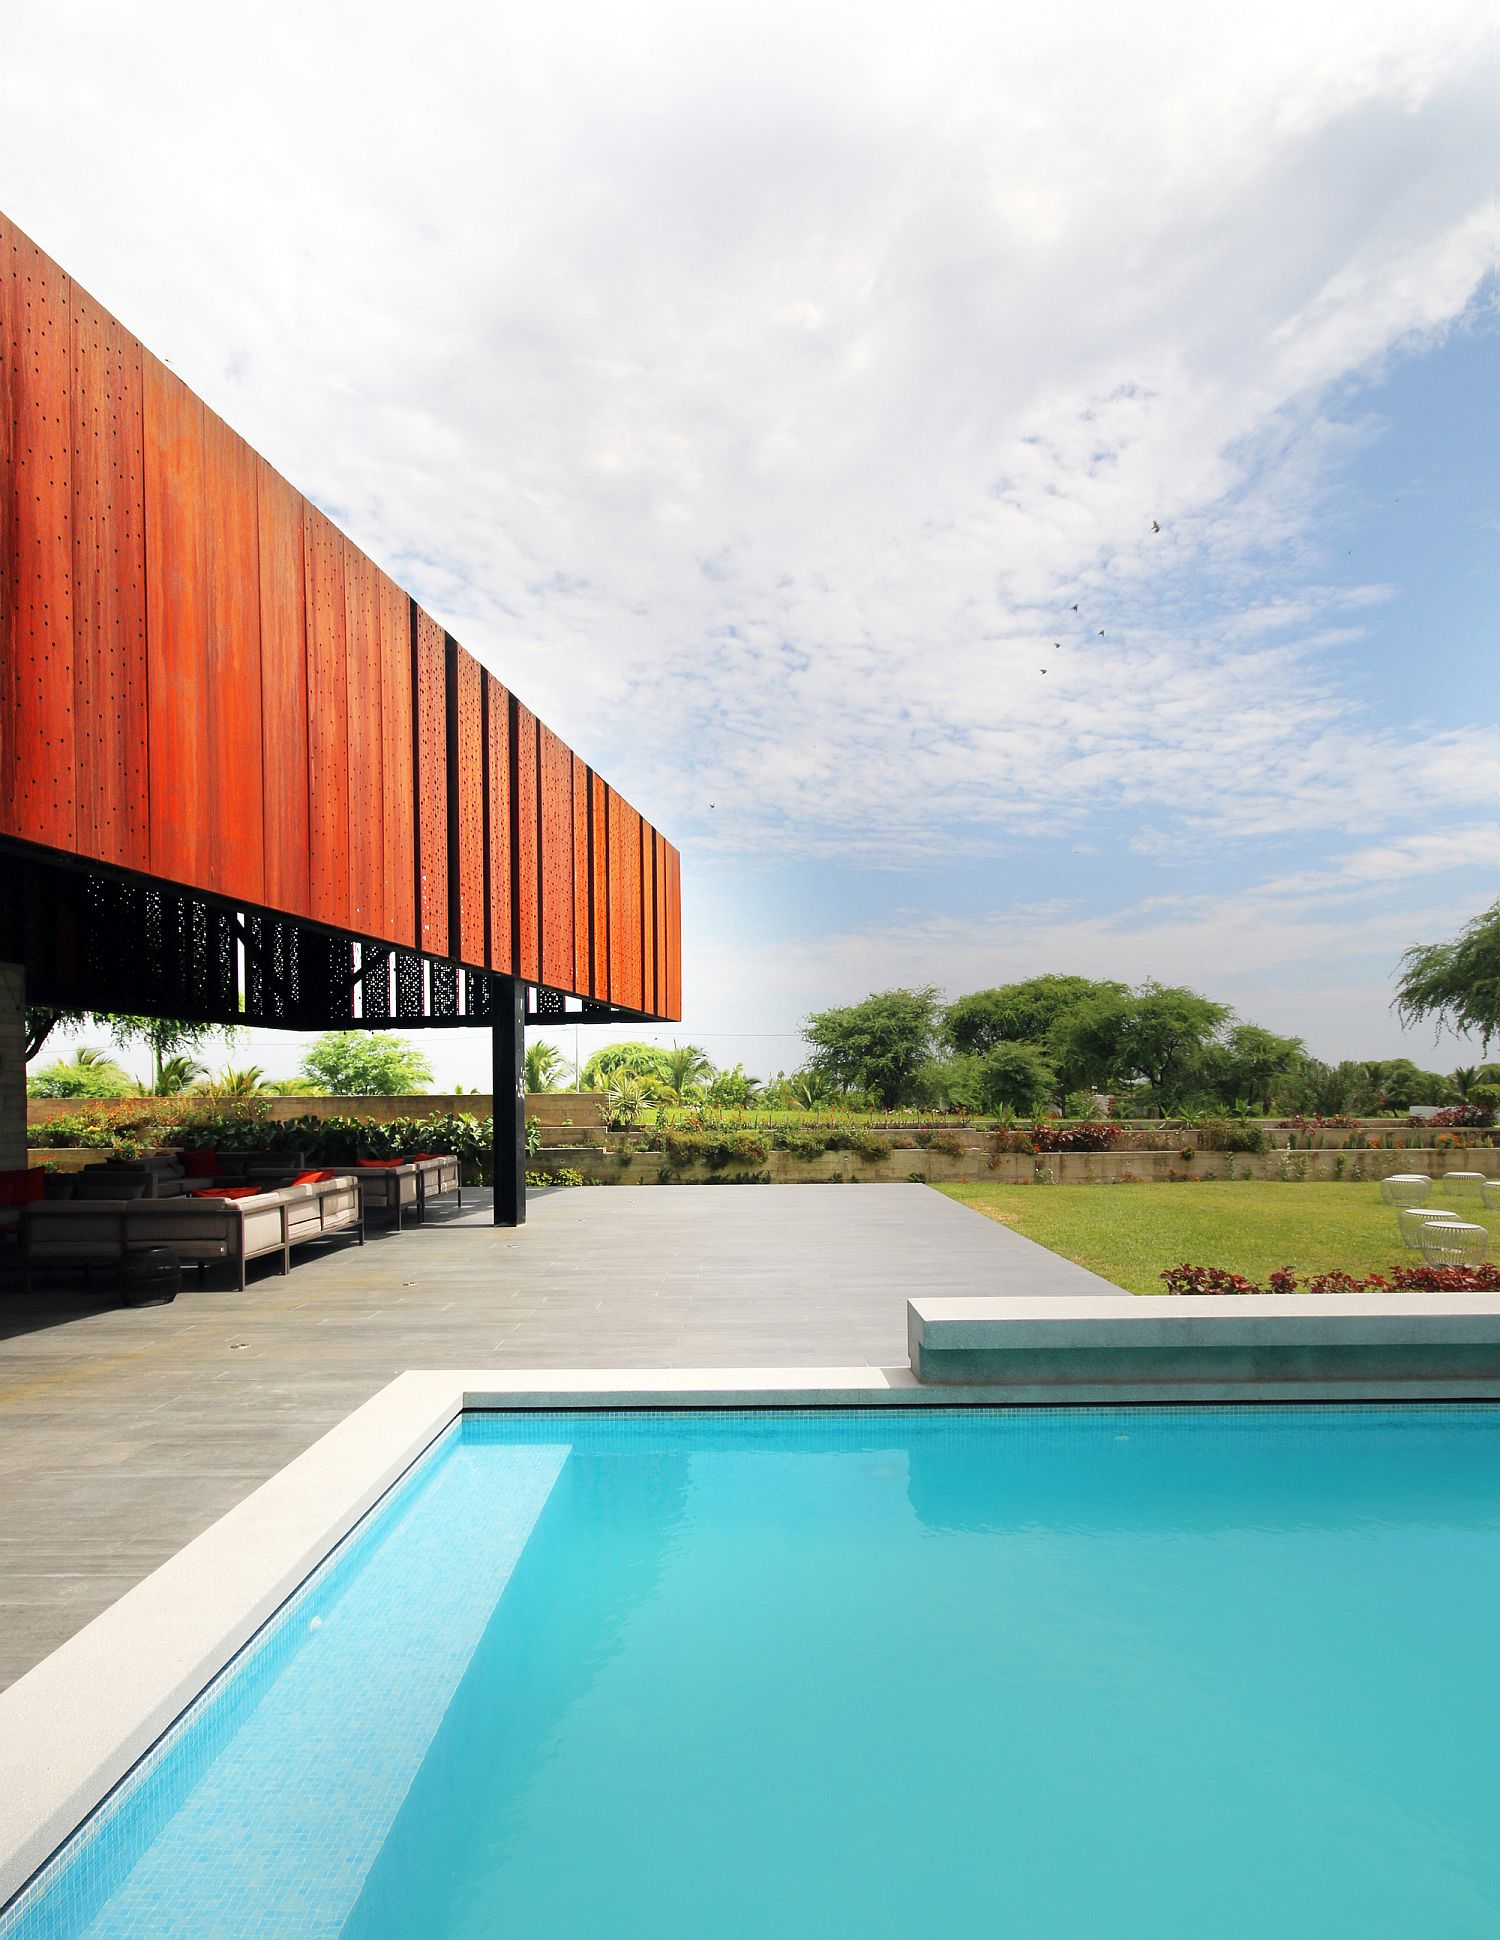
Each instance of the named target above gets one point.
<point>470,862</point>
<point>497,703</point>
<point>327,718</point>
<point>231,652</point>
<point>599,849</point>
<point>528,843</point>
<point>109,590</point>
<point>181,753</point>
<point>202,679</point>
<point>283,686</point>
<point>432,782</point>
<point>556,765</point>
<point>583,969</point>
<point>397,774</point>
<point>647,847</point>
<point>37,783</point>
<point>366,744</point>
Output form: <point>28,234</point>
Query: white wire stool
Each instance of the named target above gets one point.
<point>1405,1188</point>
<point>1464,1185</point>
<point>1412,1220</point>
<point>1453,1242</point>
<point>1491,1193</point>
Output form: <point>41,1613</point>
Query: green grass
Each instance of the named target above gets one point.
<point>1130,1233</point>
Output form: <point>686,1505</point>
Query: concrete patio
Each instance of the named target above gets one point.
<point>124,1432</point>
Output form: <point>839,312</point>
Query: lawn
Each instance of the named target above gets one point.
<point>1129,1233</point>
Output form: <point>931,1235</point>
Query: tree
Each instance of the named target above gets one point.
<point>878,1046</point>
<point>543,1067</point>
<point>166,1038</point>
<point>89,1073</point>
<point>1022,1012</point>
<point>1013,1077</point>
<point>688,1069</point>
<point>1458,983</point>
<point>1157,1034</point>
<point>612,1061</point>
<point>1252,1063</point>
<point>732,1088</point>
<point>1325,1090</point>
<point>247,1082</point>
<point>172,1077</point>
<point>366,1064</point>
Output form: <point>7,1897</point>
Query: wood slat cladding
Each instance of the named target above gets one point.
<point>285,767</point>
<point>431,741</point>
<point>327,717</point>
<point>555,766</point>
<point>393,612</point>
<point>204,682</point>
<point>471,861</point>
<point>497,783</point>
<point>109,590</point>
<point>526,820</point>
<point>583,969</point>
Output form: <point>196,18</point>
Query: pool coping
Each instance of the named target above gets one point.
<point>75,1725</point>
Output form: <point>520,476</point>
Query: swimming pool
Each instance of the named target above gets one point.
<point>855,1672</point>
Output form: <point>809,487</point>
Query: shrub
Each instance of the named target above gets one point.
<point>1096,1137</point>
<point>565,1175</point>
<point>1405,1279</point>
<point>1458,1115</point>
<point>801,1145</point>
<point>1233,1135</point>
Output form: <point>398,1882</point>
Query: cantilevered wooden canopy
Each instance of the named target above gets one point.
<point>244,777</point>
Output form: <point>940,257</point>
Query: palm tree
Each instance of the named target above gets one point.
<point>1464,1080</point>
<point>543,1066</point>
<point>688,1069</point>
<point>229,1083</point>
<point>173,1076</point>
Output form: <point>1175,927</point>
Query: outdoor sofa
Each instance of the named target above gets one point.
<point>87,1231</point>
<point>391,1185</point>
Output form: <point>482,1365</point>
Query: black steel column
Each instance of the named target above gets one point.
<point>508,1038</point>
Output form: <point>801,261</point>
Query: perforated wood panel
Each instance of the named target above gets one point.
<point>432,783</point>
<point>327,718</point>
<point>37,614</point>
<point>470,861</point>
<point>497,705</point>
<point>366,709</point>
<point>231,653</point>
<point>285,773</point>
<point>648,916</point>
<point>583,969</point>
<point>528,844</point>
<point>177,626</point>
<point>399,791</point>
<point>599,883</point>
<point>673,1006</point>
<point>557,860</point>
<point>109,589</point>
<point>204,682</point>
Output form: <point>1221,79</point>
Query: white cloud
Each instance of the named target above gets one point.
<point>758,389</point>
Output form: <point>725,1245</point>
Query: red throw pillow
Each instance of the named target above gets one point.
<point>20,1187</point>
<point>380,1161</point>
<point>200,1164</point>
<point>226,1192</point>
<point>418,1157</point>
<point>313,1178</point>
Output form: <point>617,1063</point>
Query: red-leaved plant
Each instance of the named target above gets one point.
<point>1405,1279</point>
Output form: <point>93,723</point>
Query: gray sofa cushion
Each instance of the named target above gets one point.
<point>110,1182</point>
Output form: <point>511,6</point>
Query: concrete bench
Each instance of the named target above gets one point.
<point>1268,1347</point>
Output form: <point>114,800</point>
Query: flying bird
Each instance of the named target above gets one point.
<point>1154,526</point>
<point>1101,633</point>
<point>1075,606</point>
<point>1058,645</point>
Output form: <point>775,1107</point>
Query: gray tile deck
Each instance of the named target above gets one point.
<point>125,1432</point>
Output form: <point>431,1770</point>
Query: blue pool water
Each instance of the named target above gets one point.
<point>885,1673</point>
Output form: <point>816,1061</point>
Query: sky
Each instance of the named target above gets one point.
<point>1004,491</point>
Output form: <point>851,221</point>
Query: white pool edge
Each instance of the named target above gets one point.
<point>73,1726</point>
